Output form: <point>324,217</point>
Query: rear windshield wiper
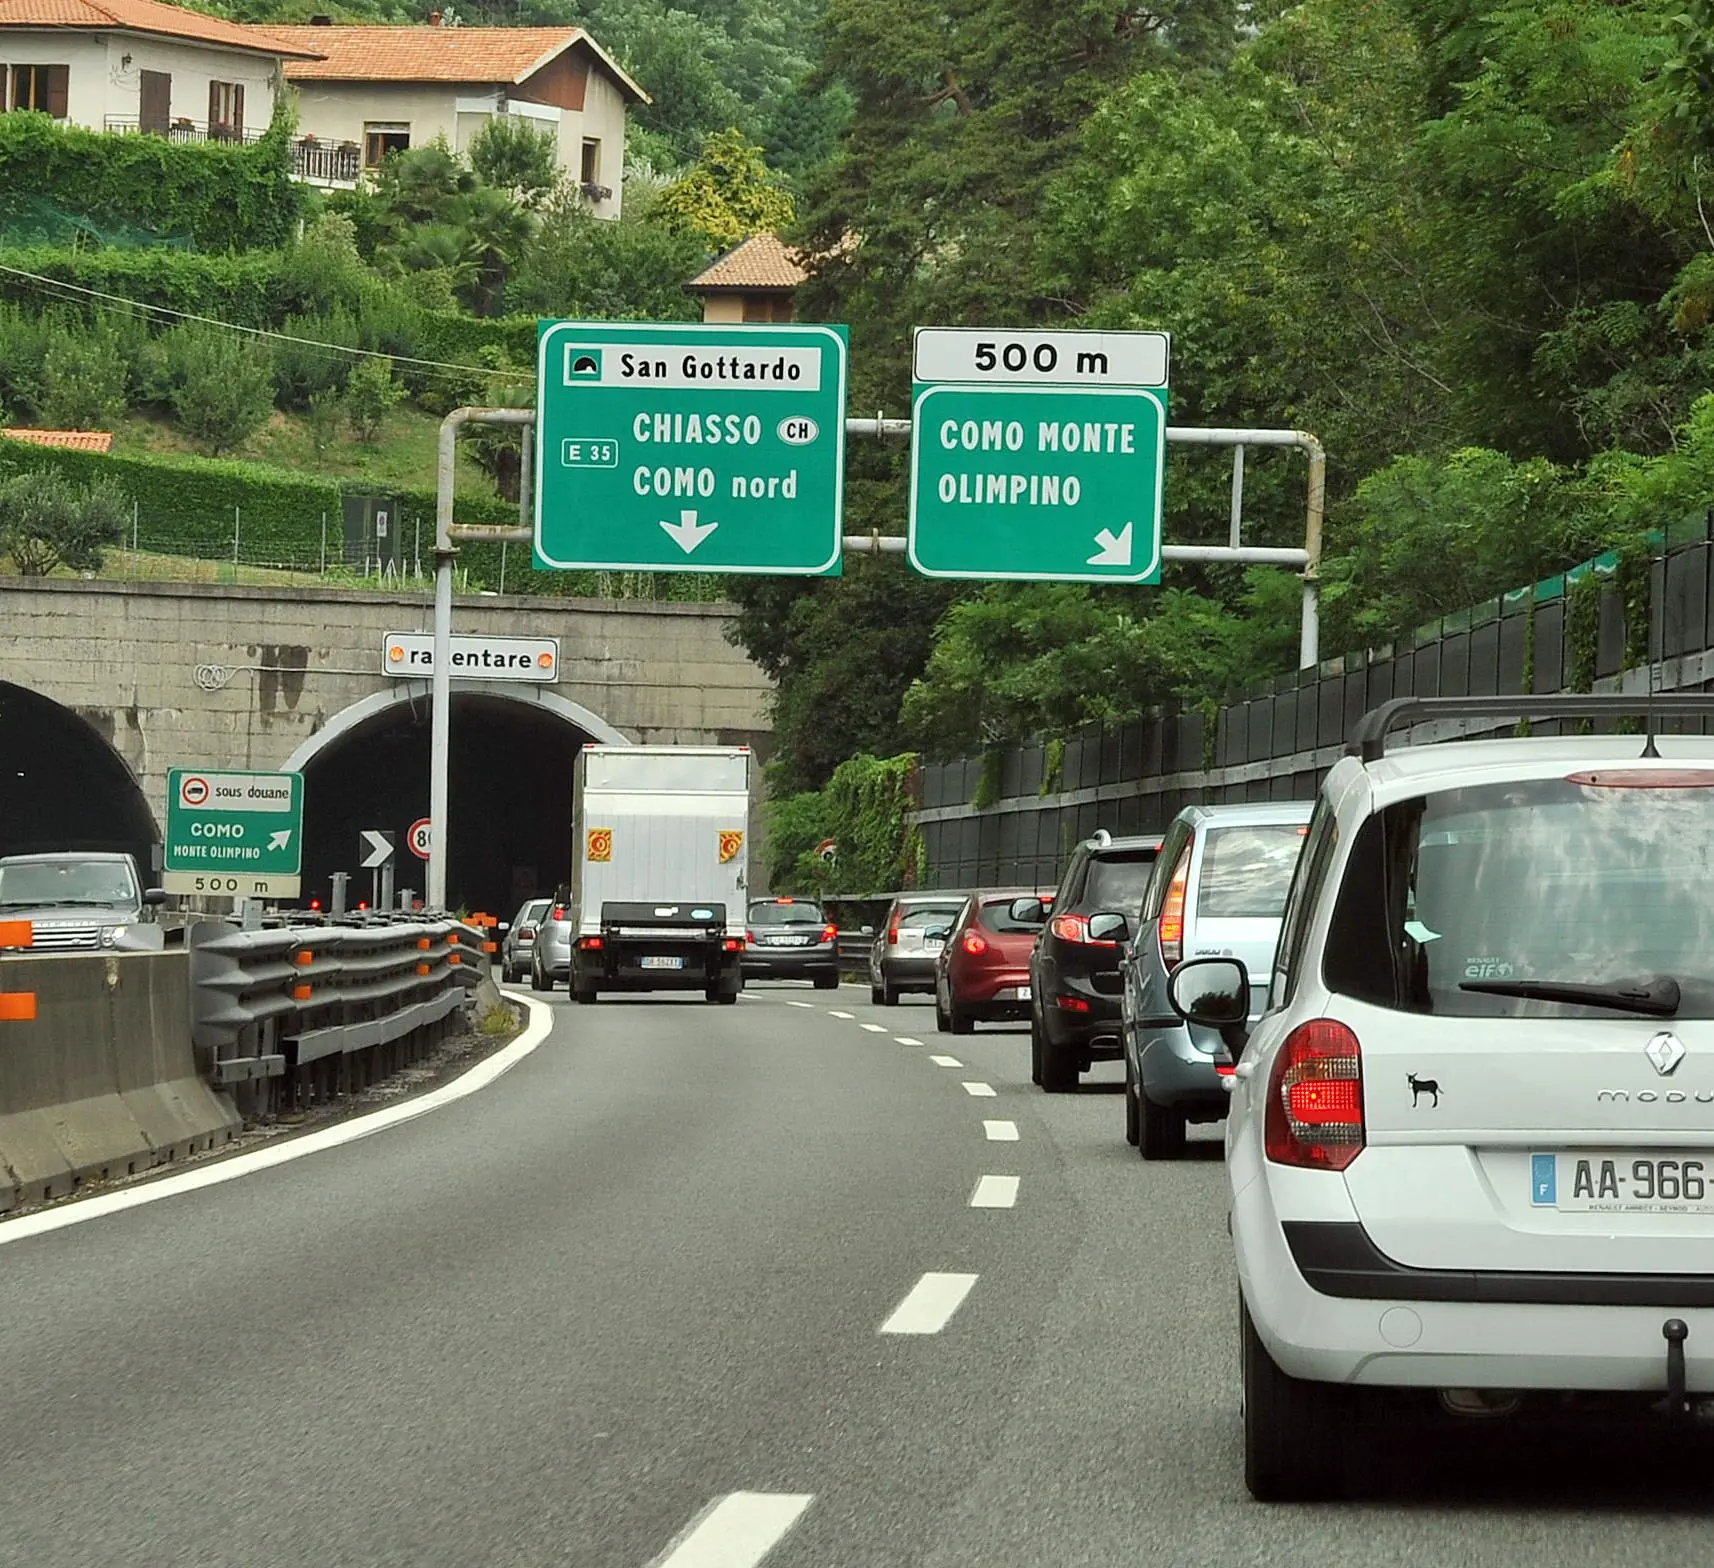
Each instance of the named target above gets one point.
<point>1657,996</point>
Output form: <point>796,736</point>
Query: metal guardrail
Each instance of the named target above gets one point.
<point>315,1010</point>
<point>854,948</point>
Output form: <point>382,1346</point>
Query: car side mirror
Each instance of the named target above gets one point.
<point>503,927</point>
<point>1028,911</point>
<point>1214,992</point>
<point>155,895</point>
<point>1109,926</point>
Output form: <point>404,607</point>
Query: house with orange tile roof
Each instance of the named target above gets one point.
<point>754,281</point>
<point>69,440</point>
<point>385,89</point>
<point>141,66</point>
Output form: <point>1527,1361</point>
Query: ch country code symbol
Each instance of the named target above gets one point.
<point>193,791</point>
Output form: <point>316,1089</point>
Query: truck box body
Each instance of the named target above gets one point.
<point>660,838</point>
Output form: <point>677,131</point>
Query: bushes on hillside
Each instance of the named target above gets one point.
<point>47,521</point>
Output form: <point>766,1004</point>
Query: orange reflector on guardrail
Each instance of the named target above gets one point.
<point>452,939</point>
<point>422,969</point>
<point>454,958</point>
<point>424,943</point>
<point>17,933</point>
<point>302,993</point>
<point>305,956</point>
<point>490,947</point>
<point>18,1007</point>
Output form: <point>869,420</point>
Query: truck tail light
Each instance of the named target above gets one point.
<point>1314,1116</point>
<point>1075,928</point>
<point>1172,913</point>
<point>975,943</point>
<point>589,944</point>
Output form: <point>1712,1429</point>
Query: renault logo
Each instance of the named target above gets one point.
<point>1666,1051</point>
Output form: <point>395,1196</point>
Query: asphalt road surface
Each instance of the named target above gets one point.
<point>701,1287</point>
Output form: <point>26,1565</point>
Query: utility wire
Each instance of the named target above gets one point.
<point>264,332</point>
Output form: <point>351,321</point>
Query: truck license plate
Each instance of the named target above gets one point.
<point>659,961</point>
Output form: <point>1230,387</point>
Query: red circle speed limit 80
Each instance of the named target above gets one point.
<point>418,838</point>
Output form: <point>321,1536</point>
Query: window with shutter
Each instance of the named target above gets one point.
<point>59,89</point>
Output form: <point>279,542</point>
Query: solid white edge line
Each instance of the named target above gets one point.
<point>735,1531</point>
<point>929,1306</point>
<point>946,1061</point>
<point>905,1039</point>
<point>981,1090</point>
<point>1001,1132</point>
<point>995,1192</point>
<point>467,1083</point>
<point>832,1013</point>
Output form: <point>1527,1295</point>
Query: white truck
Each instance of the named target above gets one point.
<point>660,857</point>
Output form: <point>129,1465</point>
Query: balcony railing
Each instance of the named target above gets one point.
<point>320,163</point>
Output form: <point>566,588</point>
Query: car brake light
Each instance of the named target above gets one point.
<point>1315,1098</point>
<point>893,934</point>
<point>1075,928</point>
<point>975,942</point>
<point>589,944</point>
<point>1172,913</point>
<point>1071,1004</point>
<point>830,933</point>
<point>559,911</point>
<point>733,944</point>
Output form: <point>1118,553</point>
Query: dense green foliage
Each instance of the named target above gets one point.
<point>47,521</point>
<point>862,810</point>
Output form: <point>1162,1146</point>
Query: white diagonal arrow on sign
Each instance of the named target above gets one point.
<point>376,848</point>
<point>1113,551</point>
<point>688,532</point>
<point>281,839</point>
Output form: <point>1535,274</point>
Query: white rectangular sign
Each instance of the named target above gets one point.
<point>678,366</point>
<point>974,355</point>
<point>410,656</point>
<point>231,884</point>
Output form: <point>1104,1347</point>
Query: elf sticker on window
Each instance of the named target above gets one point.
<point>731,841</point>
<point>599,844</point>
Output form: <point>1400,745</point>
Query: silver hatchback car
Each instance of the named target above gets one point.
<point>1218,891</point>
<point>903,954</point>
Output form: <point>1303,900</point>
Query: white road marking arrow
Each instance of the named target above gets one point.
<point>281,839</point>
<point>1113,552</point>
<point>689,532</point>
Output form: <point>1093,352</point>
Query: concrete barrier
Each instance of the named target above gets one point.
<point>103,1080</point>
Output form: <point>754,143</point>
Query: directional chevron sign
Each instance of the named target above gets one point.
<point>1038,455</point>
<point>675,448</point>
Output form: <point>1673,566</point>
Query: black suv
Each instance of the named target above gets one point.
<point>1075,983</point>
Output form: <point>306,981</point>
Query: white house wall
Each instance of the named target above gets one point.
<point>604,117</point>
<point>100,86</point>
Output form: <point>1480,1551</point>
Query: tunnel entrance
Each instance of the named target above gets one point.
<point>63,786</point>
<point>510,796</point>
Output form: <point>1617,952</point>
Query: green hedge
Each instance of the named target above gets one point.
<point>222,197</point>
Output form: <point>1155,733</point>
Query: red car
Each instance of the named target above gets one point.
<point>983,973</point>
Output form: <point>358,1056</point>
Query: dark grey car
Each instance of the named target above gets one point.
<point>1218,891</point>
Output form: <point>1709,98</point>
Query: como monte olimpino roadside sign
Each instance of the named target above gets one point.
<point>238,835</point>
<point>690,448</point>
<point>1038,455</point>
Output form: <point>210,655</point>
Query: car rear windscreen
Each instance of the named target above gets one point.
<point>1246,871</point>
<point>1119,881</point>
<point>920,917</point>
<point>1507,886</point>
<point>798,912</point>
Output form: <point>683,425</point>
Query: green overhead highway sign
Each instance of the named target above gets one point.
<point>685,448</point>
<point>1038,455</point>
<point>237,835</point>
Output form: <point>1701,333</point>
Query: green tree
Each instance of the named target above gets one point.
<point>220,386</point>
<point>83,379</point>
<point>46,521</point>
<point>511,155</point>
<point>371,394</point>
<point>611,270</point>
<point>729,195</point>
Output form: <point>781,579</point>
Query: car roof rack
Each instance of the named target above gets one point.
<point>1369,735</point>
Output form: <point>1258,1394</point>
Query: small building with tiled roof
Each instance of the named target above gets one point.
<point>385,89</point>
<point>755,281</point>
<point>72,440</point>
<point>140,66</point>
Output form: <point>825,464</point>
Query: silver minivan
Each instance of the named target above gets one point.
<point>1218,891</point>
<point>904,951</point>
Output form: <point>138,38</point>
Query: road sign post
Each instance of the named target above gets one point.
<point>1038,455</point>
<point>233,835</point>
<point>690,448</point>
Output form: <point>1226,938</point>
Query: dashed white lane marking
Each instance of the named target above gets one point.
<point>905,1039</point>
<point>946,1061</point>
<point>467,1083</point>
<point>930,1305</point>
<point>809,1005</point>
<point>835,1014</point>
<point>735,1531</point>
<point>995,1192</point>
<point>1001,1132</point>
<point>876,1028</point>
<point>982,1091</point>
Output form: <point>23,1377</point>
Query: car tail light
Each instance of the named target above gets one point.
<point>526,933</point>
<point>975,942</point>
<point>734,944</point>
<point>893,934</point>
<point>1075,928</point>
<point>559,911</point>
<point>749,936</point>
<point>830,933</point>
<point>1172,913</point>
<point>589,944</point>
<point>1315,1098</point>
<point>1071,1004</point>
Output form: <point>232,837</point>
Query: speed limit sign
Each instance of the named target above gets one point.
<point>418,838</point>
